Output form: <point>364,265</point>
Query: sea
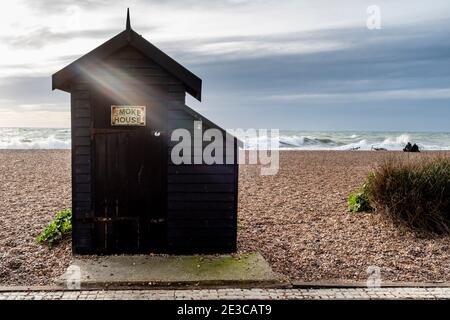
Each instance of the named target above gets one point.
<point>48,138</point>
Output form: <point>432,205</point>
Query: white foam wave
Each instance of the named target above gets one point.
<point>22,138</point>
<point>362,141</point>
<point>40,143</point>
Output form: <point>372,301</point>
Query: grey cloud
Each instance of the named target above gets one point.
<point>30,91</point>
<point>58,5</point>
<point>372,84</point>
<point>394,60</point>
<point>41,36</point>
<point>410,57</point>
<point>208,4</point>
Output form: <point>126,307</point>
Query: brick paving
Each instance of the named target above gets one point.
<point>234,294</point>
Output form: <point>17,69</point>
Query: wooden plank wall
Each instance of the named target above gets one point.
<point>201,199</point>
<point>81,168</point>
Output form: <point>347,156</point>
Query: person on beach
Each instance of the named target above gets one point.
<point>411,148</point>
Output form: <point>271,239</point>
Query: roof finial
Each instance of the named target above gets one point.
<point>128,19</point>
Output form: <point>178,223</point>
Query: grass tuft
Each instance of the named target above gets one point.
<point>415,194</point>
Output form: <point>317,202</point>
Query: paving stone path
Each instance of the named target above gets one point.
<point>233,294</point>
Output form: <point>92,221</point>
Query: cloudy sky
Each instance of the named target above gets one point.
<point>293,64</point>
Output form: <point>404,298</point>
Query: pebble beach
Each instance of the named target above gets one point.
<point>297,219</point>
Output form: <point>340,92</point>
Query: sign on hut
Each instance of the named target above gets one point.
<point>128,195</point>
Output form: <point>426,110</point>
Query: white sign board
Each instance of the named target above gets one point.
<point>128,115</point>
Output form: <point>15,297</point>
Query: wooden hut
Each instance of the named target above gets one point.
<point>127,194</point>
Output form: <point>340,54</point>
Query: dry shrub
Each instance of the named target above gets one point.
<point>415,194</point>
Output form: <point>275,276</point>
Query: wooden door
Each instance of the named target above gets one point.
<point>129,165</point>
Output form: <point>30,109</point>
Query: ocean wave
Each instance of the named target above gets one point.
<point>30,138</point>
<point>44,143</point>
<point>27,138</point>
<point>339,141</point>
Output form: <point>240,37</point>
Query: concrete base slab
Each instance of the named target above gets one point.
<point>157,271</point>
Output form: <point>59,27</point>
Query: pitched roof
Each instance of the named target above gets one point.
<point>128,37</point>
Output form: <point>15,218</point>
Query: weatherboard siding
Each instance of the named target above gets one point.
<point>201,200</point>
<point>82,168</point>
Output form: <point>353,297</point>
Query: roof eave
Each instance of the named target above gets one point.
<point>60,78</point>
<point>192,83</point>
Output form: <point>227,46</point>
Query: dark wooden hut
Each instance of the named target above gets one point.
<point>127,194</point>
